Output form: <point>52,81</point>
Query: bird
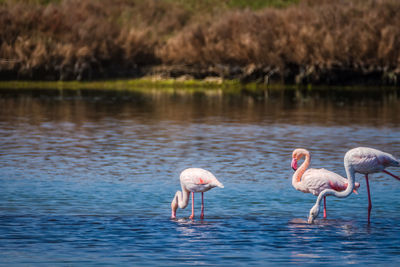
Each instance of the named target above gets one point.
<point>364,160</point>
<point>193,180</point>
<point>314,181</point>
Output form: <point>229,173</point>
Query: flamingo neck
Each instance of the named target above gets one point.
<point>350,172</point>
<point>296,180</point>
<point>330,192</point>
<point>181,200</point>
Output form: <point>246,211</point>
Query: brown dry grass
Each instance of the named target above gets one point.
<point>306,42</point>
<point>348,35</point>
<point>83,39</point>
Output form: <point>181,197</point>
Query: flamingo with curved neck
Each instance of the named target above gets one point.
<point>363,160</point>
<point>193,180</point>
<point>314,181</point>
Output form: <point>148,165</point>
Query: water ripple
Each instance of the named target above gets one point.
<point>89,181</point>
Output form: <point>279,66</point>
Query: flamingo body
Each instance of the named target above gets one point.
<point>193,180</point>
<point>315,181</point>
<point>367,160</point>
<point>198,180</point>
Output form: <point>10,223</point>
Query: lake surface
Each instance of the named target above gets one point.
<point>87,177</point>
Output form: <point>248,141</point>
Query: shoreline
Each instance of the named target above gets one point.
<point>148,83</point>
<point>324,43</point>
<point>225,74</point>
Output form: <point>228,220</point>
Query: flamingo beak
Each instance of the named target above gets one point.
<point>294,164</point>
<point>355,192</point>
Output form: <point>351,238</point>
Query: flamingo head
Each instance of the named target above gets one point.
<point>314,211</point>
<point>174,207</point>
<point>297,155</point>
<point>294,164</point>
<point>356,186</point>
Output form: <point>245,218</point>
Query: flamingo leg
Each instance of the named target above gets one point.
<point>369,199</point>
<point>202,206</point>
<point>398,178</point>
<point>192,216</point>
<point>324,207</point>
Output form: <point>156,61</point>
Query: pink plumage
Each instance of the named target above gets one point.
<point>315,181</point>
<point>193,180</point>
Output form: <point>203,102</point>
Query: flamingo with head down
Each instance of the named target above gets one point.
<point>363,160</point>
<point>193,180</point>
<point>315,181</point>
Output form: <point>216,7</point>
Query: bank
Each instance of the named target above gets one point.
<point>302,42</point>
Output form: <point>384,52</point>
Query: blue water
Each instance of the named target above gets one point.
<point>87,178</point>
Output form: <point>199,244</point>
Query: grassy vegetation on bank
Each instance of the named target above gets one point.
<point>148,85</point>
<point>129,84</point>
<point>305,41</point>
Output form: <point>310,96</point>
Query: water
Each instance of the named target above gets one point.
<point>87,177</point>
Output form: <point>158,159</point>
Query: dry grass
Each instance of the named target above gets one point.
<point>359,36</point>
<point>321,41</point>
<point>83,39</point>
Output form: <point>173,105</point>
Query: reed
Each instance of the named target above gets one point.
<point>309,42</point>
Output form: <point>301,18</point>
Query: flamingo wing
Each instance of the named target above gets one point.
<point>368,160</point>
<point>317,180</point>
<point>197,180</point>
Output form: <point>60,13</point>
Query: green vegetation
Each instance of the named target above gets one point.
<point>149,84</point>
<point>276,41</point>
<point>133,84</point>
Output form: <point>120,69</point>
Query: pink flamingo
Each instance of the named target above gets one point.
<point>367,160</point>
<point>314,181</point>
<point>193,180</point>
<point>363,160</point>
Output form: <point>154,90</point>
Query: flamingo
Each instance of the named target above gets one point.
<point>363,160</point>
<point>314,181</point>
<point>193,180</point>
